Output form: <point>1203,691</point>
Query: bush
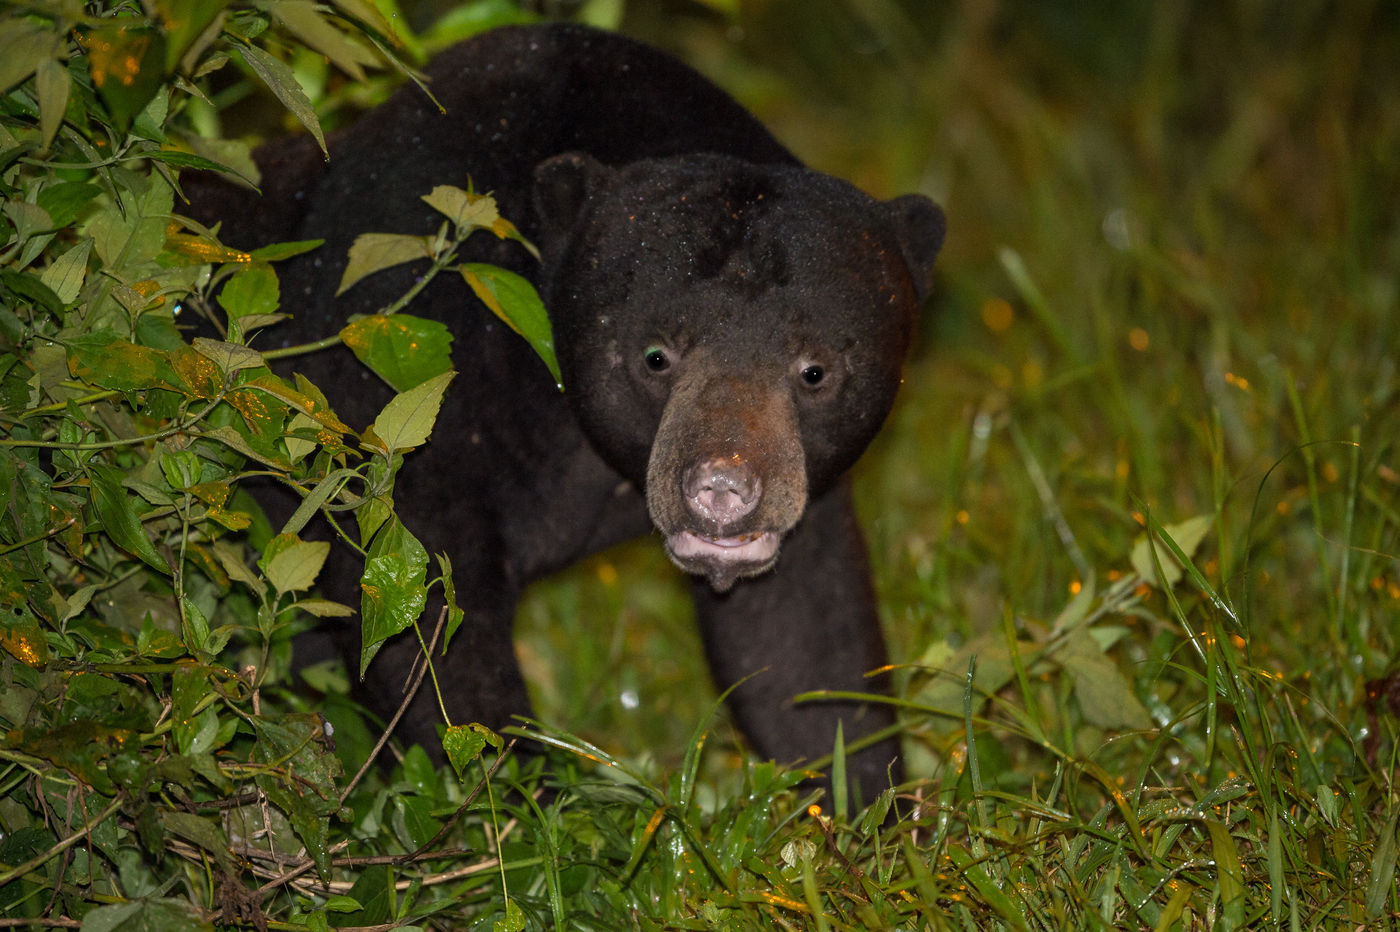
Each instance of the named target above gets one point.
<point>156,768</point>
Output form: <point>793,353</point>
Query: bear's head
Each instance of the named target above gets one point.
<point>730,335</point>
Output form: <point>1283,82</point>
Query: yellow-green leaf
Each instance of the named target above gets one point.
<point>65,275</point>
<point>408,418</point>
<point>231,357</point>
<point>1187,534</point>
<point>463,208</point>
<point>296,567</point>
<point>374,252</point>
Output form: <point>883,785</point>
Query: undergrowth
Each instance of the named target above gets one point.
<point>1134,521</point>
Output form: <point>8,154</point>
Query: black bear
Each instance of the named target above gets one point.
<point>730,327</point>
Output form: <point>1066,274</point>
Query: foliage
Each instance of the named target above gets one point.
<point>1134,522</point>
<point>147,616</point>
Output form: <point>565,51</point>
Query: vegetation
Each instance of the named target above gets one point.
<point>1135,520</point>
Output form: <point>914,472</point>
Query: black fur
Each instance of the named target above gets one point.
<point>780,302</point>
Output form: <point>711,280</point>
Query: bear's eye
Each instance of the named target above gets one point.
<point>812,375</point>
<point>656,359</point>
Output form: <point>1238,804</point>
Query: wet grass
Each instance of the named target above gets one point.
<point>1169,292</point>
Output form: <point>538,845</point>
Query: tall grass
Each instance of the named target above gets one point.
<point>1134,525</point>
<point>1170,291</point>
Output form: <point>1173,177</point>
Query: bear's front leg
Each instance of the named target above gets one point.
<point>810,624</point>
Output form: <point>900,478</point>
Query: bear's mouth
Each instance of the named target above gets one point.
<point>722,560</point>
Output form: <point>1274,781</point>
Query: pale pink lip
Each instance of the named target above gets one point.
<point>745,549</point>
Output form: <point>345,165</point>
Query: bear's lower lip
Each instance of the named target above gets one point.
<point>723,559</point>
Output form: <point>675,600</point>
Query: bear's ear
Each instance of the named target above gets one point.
<point>563,184</point>
<point>919,224</point>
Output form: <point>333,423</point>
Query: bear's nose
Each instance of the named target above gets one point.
<point>722,491</point>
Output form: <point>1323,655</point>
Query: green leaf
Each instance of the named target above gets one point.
<point>23,45</point>
<point>303,20</point>
<point>282,81</point>
<point>302,782</point>
<point>325,608</point>
<point>65,275</point>
<point>944,693</point>
<point>1229,875</point>
<point>291,563</point>
<point>182,469</point>
<point>196,631</point>
<point>251,292</point>
<point>230,357</point>
<point>52,83</point>
<point>197,735</point>
<point>1188,535</point>
<point>118,516</point>
<point>368,13</point>
<point>407,420</point>
<point>374,252</point>
<point>145,916</point>
<point>127,63</point>
<point>403,350</point>
<point>181,159</point>
<point>413,821</point>
<point>185,21</point>
<point>277,252</point>
<point>202,832</point>
<point>231,438</point>
<point>463,744</point>
<point>27,218</point>
<point>24,285</point>
<point>455,615</point>
<point>514,300</point>
<point>1105,696</point>
<point>393,589</point>
<point>512,921</point>
<point>324,490</point>
<point>105,360</point>
<point>135,233</point>
<point>231,559</point>
<point>340,903</point>
<point>64,199</point>
<point>371,888</point>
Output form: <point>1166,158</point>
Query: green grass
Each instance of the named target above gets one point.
<point>1170,290</point>
<point>1163,346</point>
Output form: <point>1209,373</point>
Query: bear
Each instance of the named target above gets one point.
<point>730,326</point>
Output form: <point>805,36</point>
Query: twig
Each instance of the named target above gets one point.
<point>471,797</point>
<point>62,922</point>
<point>403,707</point>
<point>369,761</point>
<point>39,859</point>
<point>490,864</point>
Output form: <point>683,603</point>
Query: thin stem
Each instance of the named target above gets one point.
<point>61,405</point>
<point>403,707</point>
<point>439,263</point>
<point>113,444</point>
<point>302,349</point>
